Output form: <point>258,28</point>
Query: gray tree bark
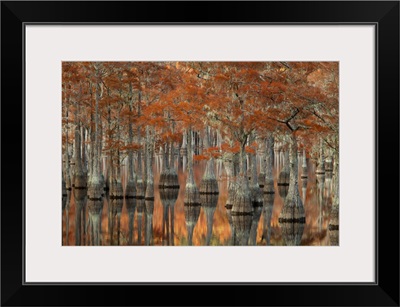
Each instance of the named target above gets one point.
<point>293,209</point>
<point>130,188</point>
<point>269,163</point>
<point>192,196</point>
<point>242,209</point>
<point>149,164</point>
<point>80,181</point>
<point>333,225</point>
<point>95,190</point>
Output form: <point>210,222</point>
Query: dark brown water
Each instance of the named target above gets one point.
<point>163,221</point>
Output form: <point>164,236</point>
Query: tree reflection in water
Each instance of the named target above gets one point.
<point>130,208</point>
<point>168,197</point>
<point>66,198</point>
<point>292,232</point>
<point>114,228</point>
<point>80,209</point>
<point>209,204</point>
<point>139,215</point>
<point>168,221</point>
<point>267,214</point>
<point>149,208</point>
<point>95,208</point>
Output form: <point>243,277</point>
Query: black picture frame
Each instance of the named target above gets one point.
<point>383,14</point>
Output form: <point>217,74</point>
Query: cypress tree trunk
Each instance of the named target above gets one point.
<point>116,190</point>
<point>164,171</point>
<point>334,214</point>
<point>100,154</point>
<point>269,163</point>
<point>192,196</point>
<point>320,200</point>
<point>209,184</point>
<point>149,165</point>
<point>293,209</point>
<point>140,189</point>
<point>83,145</point>
<point>230,169</point>
<point>171,155</point>
<point>145,161</point>
<point>91,147</point>
<point>184,143</point>
<point>80,181</point>
<point>256,191</point>
<point>242,209</point>
<point>328,168</point>
<point>171,176</point>
<point>321,161</point>
<point>284,176</point>
<point>262,152</point>
<point>68,184</point>
<point>108,177</point>
<point>257,198</point>
<point>282,157</point>
<point>91,135</point>
<point>304,170</point>
<point>130,188</point>
<point>95,190</point>
<point>231,178</point>
<point>304,182</point>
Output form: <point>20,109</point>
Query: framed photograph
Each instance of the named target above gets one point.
<point>248,150</point>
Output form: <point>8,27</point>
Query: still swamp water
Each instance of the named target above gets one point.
<point>166,221</point>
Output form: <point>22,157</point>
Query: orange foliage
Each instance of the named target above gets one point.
<point>234,97</point>
<point>200,157</point>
